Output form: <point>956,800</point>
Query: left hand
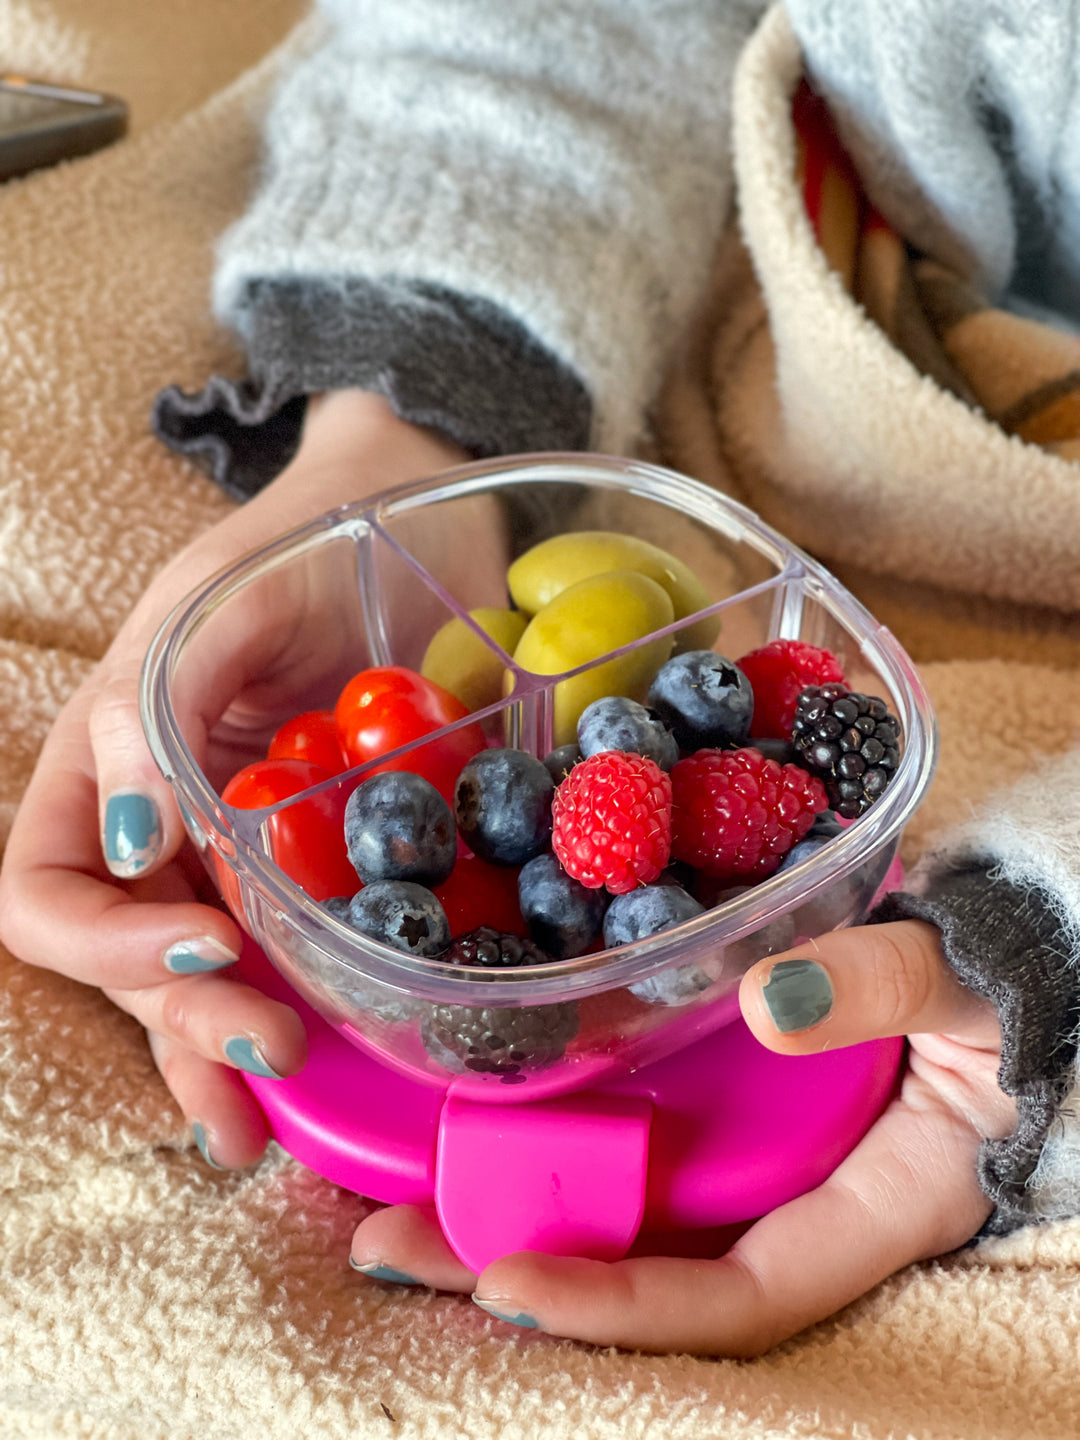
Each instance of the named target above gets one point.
<point>907,1192</point>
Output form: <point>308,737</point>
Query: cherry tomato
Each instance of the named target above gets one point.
<point>311,736</point>
<point>388,706</point>
<point>477,893</point>
<point>307,840</point>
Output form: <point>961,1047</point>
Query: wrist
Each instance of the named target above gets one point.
<point>354,443</point>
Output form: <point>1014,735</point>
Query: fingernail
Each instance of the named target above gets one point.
<point>242,1052</point>
<point>377,1271</point>
<point>195,957</point>
<point>132,833</point>
<point>526,1322</point>
<point>798,994</point>
<point>204,1145</point>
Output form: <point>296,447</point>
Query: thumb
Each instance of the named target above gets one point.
<point>861,984</point>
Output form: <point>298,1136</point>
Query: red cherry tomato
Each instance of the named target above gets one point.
<point>307,840</point>
<point>311,736</point>
<point>388,706</point>
<point>477,893</point>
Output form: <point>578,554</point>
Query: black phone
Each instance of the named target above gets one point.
<point>41,123</point>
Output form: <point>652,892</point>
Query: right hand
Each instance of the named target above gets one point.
<point>99,881</point>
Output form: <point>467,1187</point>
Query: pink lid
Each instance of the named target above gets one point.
<point>723,1131</point>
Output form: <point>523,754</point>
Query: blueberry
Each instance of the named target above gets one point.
<point>779,750</point>
<point>403,915</point>
<point>398,827</point>
<point>646,911</point>
<point>825,828</point>
<point>564,918</point>
<point>615,723</point>
<point>672,986</point>
<point>561,761</point>
<point>346,991</point>
<point>338,906</point>
<point>825,823</point>
<point>502,804</point>
<point>705,700</point>
<point>844,901</point>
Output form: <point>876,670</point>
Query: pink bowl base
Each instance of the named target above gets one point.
<point>719,1133</point>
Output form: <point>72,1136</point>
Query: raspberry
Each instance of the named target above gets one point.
<point>850,740</point>
<point>735,815</point>
<point>779,672</point>
<point>612,818</point>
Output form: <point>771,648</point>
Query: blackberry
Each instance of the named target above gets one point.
<point>704,699</point>
<point>501,1041</point>
<point>494,950</point>
<point>616,723</point>
<point>502,804</point>
<point>850,741</point>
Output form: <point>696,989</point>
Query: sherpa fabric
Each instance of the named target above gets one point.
<point>145,1297</point>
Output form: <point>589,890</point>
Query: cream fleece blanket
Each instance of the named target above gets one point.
<point>143,1295</point>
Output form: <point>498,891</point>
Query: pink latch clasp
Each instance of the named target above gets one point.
<point>564,1176</point>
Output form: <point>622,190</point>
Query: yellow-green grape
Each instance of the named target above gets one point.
<point>459,661</point>
<point>587,620</point>
<point>536,577</point>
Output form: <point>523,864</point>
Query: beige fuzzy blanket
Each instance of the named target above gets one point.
<point>143,1295</point>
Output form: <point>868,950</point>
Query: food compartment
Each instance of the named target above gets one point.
<point>378,586</point>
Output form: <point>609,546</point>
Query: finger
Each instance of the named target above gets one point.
<point>60,907</point>
<point>227,1124</point>
<point>223,1022</point>
<point>405,1244</point>
<point>138,821</point>
<point>862,984</point>
<point>798,1265</point>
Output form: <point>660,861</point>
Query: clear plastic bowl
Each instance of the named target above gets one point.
<point>283,630</point>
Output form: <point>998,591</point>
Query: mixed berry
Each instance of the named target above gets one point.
<point>487,858</point>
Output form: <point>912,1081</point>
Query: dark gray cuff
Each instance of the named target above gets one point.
<point>1006,944</point>
<point>456,364</point>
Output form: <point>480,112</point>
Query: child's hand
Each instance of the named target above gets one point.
<point>98,880</point>
<point>907,1192</point>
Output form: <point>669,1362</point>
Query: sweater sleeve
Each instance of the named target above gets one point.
<point>1005,892</point>
<point>499,217</point>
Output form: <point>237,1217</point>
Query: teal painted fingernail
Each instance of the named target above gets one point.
<point>132,833</point>
<point>378,1271</point>
<point>196,957</point>
<point>798,994</point>
<point>204,1145</point>
<point>526,1322</point>
<point>242,1052</point>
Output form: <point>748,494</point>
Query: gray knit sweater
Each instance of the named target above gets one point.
<point>500,217</point>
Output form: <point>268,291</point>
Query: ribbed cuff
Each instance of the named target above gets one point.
<point>1006,944</point>
<point>452,363</point>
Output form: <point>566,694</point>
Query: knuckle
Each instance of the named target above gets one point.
<point>167,1058</point>
<point>114,712</point>
<point>905,981</point>
<point>175,1005</point>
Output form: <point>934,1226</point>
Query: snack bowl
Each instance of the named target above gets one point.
<point>283,631</point>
